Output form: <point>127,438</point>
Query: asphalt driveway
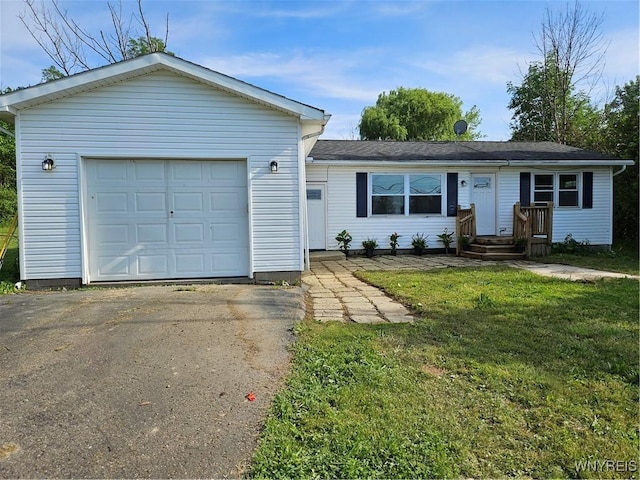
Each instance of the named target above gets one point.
<point>140,382</point>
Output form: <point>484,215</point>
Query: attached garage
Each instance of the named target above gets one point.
<point>163,219</point>
<point>157,168</point>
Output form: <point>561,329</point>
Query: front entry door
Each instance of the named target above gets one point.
<point>483,195</point>
<point>316,215</point>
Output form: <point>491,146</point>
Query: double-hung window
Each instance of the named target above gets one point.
<point>568,190</point>
<point>560,188</point>
<point>387,194</point>
<point>395,194</point>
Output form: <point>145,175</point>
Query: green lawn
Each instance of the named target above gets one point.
<point>506,374</point>
<point>621,258</point>
<point>10,271</point>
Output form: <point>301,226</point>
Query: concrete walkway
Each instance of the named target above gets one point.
<point>337,295</point>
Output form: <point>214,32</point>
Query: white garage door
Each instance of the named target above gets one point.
<point>157,219</point>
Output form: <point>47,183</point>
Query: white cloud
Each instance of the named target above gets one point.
<point>486,64</point>
<point>328,75</point>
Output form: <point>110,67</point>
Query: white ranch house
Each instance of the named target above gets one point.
<point>157,168</point>
<point>375,188</point>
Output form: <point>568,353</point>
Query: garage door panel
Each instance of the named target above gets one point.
<point>150,202</point>
<point>113,235</point>
<point>156,265</point>
<point>225,232</point>
<point>189,202</point>
<point>114,266</point>
<point>187,170</point>
<point>192,264</point>
<point>230,174</point>
<point>229,264</point>
<point>161,219</point>
<point>151,233</point>
<point>188,232</point>
<point>109,171</point>
<point>149,171</point>
<point>111,202</point>
<point>228,202</point>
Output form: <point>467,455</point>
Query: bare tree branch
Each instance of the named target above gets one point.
<point>67,43</point>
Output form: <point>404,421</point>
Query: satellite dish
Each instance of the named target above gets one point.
<point>460,127</point>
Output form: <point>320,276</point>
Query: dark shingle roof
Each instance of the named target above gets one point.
<point>356,150</point>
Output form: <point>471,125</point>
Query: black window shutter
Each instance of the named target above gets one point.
<point>587,190</point>
<point>452,194</point>
<point>361,194</point>
<point>525,189</point>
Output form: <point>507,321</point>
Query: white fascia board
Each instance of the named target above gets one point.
<point>78,82</point>
<point>405,163</point>
<point>487,163</point>
<point>570,163</point>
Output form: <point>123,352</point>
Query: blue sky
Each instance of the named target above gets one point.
<point>339,55</point>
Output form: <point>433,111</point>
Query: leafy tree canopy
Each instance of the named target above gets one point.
<point>621,139</point>
<point>417,114</point>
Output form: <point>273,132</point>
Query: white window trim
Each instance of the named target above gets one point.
<point>556,189</point>
<point>407,195</point>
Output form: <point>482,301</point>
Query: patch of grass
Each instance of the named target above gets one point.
<point>507,374</point>
<point>622,258</point>
<point>10,271</point>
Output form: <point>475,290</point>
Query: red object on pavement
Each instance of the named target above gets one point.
<point>250,396</point>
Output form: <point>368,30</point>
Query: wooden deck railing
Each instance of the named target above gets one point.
<point>465,226</point>
<point>534,224</point>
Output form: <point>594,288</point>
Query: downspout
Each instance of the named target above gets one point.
<point>7,132</point>
<point>303,192</point>
<point>624,167</point>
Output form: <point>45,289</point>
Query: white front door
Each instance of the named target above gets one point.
<point>162,219</point>
<point>316,215</point>
<point>483,195</point>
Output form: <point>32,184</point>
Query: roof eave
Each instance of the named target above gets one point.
<point>472,163</point>
<point>149,63</point>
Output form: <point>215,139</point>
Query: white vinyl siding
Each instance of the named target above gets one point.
<point>341,209</point>
<point>164,116</point>
<point>593,224</point>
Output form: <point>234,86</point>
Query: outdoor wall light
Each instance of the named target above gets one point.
<point>463,183</point>
<point>47,163</point>
<point>274,166</point>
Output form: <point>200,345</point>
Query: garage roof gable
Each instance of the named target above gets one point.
<point>11,103</point>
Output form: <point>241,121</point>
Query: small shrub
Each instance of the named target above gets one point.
<point>344,241</point>
<point>370,243</point>
<point>393,242</point>
<point>571,245</point>
<point>446,239</point>
<point>419,240</point>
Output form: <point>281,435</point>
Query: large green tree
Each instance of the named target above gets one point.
<point>621,139</point>
<point>417,114</point>
<point>534,117</point>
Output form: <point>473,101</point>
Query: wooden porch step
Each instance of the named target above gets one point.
<point>493,240</point>
<point>496,256</point>
<point>494,248</point>
<point>483,248</point>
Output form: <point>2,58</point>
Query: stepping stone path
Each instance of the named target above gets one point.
<point>336,295</point>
